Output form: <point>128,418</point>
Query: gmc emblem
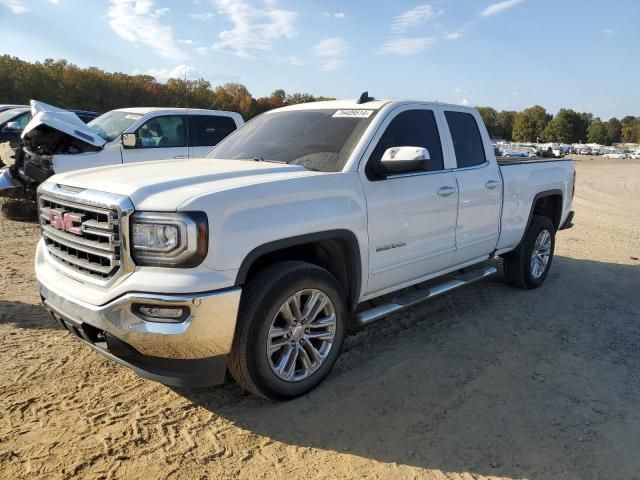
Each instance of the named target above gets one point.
<point>66,221</point>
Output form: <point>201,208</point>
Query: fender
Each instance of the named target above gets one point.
<point>346,235</point>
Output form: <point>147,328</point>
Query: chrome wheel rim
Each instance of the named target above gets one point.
<point>301,335</point>
<point>541,254</point>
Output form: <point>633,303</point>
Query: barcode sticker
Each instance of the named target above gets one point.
<point>352,114</point>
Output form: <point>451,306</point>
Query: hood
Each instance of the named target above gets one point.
<point>46,117</point>
<point>166,184</point>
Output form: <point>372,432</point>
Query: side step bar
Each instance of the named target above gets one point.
<point>418,296</point>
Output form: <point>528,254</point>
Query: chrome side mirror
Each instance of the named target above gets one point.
<point>405,159</point>
<point>129,140</point>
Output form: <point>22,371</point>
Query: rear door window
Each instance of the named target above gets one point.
<point>467,141</point>
<point>208,130</point>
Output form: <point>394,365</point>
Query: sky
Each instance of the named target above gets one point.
<point>511,54</point>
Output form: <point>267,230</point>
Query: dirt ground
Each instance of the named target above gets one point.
<point>486,382</point>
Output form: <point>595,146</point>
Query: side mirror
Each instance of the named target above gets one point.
<point>405,159</point>
<point>12,127</point>
<point>129,140</point>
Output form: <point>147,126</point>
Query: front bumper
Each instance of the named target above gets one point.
<point>186,354</point>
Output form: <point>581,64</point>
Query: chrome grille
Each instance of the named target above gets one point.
<point>85,238</point>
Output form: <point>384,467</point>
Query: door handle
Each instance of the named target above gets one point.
<point>491,184</point>
<point>446,191</point>
<point>180,156</point>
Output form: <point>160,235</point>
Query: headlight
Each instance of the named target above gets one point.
<point>169,239</point>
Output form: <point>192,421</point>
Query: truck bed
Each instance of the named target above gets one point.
<point>506,161</point>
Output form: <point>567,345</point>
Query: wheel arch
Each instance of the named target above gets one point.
<point>337,251</point>
<point>548,204</point>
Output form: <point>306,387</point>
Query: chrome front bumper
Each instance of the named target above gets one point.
<point>156,350</point>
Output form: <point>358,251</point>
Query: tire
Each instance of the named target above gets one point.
<point>263,315</point>
<point>518,266</point>
<point>20,210</point>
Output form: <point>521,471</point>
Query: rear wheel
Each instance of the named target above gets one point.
<point>291,328</point>
<point>528,265</point>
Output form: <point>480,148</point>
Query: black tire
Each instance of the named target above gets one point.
<point>262,297</point>
<point>20,210</point>
<point>517,264</point>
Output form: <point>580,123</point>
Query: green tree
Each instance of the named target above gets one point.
<point>490,118</point>
<point>530,123</point>
<point>504,124</point>
<point>597,132</point>
<point>614,131</point>
<point>566,127</point>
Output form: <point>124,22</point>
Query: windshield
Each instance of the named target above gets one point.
<point>320,140</point>
<point>111,125</point>
<point>8,115</point>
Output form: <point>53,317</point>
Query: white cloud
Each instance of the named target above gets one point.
<point>413,18</point>
<point>55,2</point>
<point>164,74</point>
<point>254,29</point>
<point>339,15</point>
<point>608,31</point>
<point>464,102</point>
<point>332,51</point>
<point>137,21</point>
<point>453,35</point>
<point>294,60</point>
<point>496,8</point>
<point>16,6</point>
<point>330,47</point>
<point>204,16</point>
<point>185,41</point>
<point>407,46</point>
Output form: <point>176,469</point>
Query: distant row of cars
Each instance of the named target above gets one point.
<point>508,150</point>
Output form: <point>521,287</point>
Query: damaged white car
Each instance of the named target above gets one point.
<point>57,141</point>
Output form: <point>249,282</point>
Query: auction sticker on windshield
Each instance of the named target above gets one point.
<point>352,114</point>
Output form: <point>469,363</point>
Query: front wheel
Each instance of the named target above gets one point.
<point>528,265</point>
<point>292,324</point>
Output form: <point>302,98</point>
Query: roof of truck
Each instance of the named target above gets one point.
<point>375,104</point>
<point>145,110</point>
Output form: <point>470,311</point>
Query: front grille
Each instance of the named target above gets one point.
<point>82,237</point>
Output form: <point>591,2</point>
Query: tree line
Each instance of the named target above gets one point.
<point>68,86</point>
<point>65,85</point>
<point>534,124</point>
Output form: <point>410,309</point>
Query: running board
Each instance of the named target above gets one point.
<point>419,296</point>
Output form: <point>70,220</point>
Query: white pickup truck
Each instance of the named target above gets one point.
<point>57,141</point>
<point>256,259</point>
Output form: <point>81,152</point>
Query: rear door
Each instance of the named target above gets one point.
<point>479,184</point>
<point>411,216</point>
<point>162,137</point>
<point>205,131</point>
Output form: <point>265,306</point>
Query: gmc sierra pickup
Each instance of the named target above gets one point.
<point>308,220</point>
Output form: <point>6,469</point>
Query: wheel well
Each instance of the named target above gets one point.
<point>339,255</point>
<point>549,206</point>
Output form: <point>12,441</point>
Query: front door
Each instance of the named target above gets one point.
<point>411,216</point>
<point>159,138</point>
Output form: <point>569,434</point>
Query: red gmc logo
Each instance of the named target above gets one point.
<point>66,221</point>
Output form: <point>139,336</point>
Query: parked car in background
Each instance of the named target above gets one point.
<point>635,155</point>
<point>57,141</point>
<point>616,155</point>
<point>12,122</point>
<point>310,220</point>
<point>584,151</point>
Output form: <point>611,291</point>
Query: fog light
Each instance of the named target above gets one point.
<point>155,313</point>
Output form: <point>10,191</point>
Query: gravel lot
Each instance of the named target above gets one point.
<point>486,382</point>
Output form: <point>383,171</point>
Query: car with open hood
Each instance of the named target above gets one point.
<point>58,141</point>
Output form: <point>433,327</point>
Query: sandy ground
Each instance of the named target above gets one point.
<point>486,382</point>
